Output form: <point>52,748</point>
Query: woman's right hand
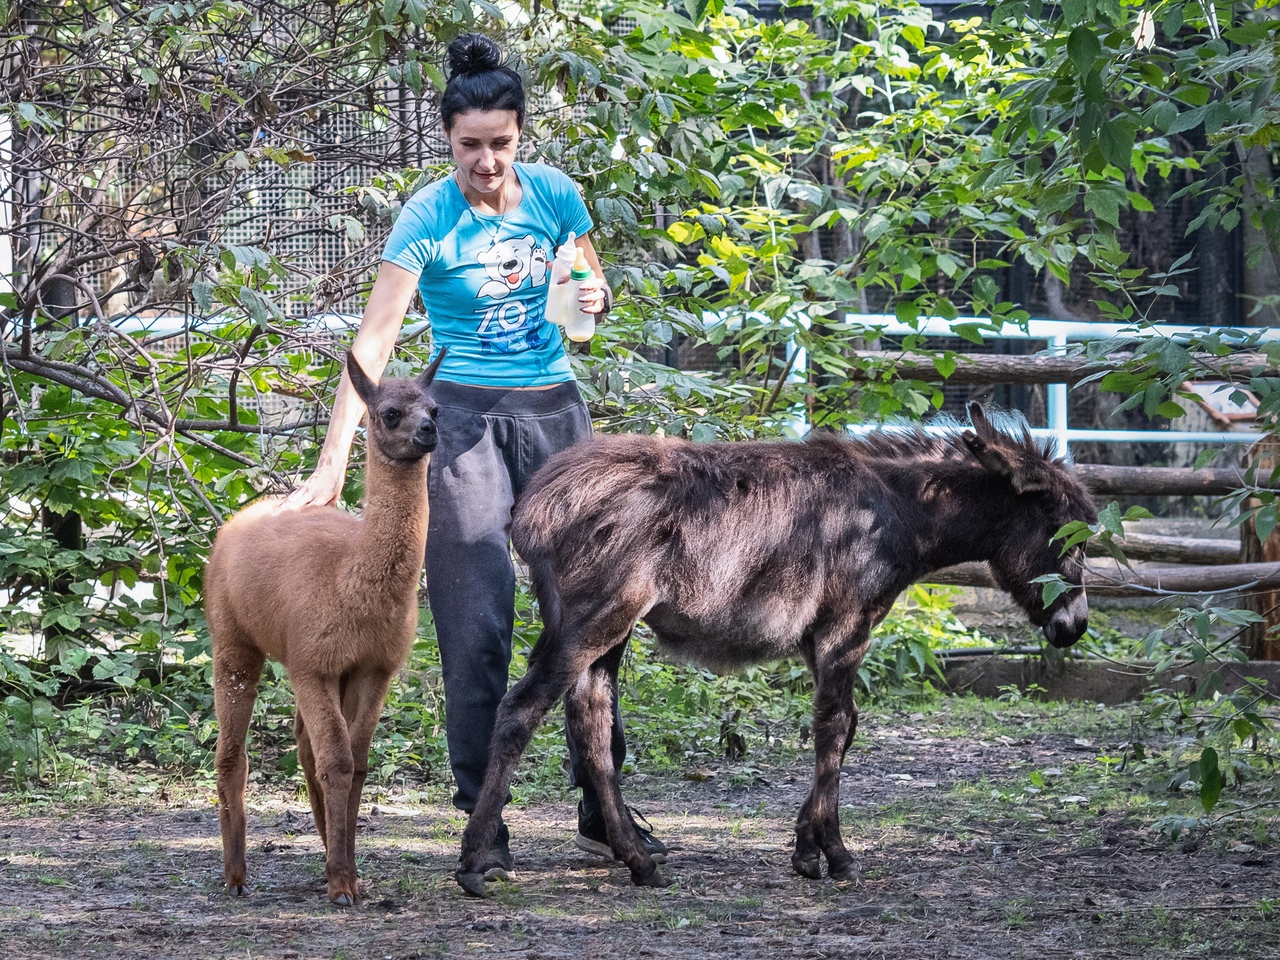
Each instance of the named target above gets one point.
<point>321,489</point>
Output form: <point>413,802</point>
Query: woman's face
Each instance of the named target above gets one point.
<point>484,147</point>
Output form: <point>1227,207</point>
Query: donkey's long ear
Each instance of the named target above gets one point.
<point>429,374</point>
<point>365,388</point>
<point>978,417</point>
<point>1026,472</point>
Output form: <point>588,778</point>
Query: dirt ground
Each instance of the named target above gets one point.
<point>958,860</point>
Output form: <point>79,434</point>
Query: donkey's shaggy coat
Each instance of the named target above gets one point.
<point>742,552</point>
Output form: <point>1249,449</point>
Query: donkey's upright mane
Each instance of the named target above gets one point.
<point>911,440</point>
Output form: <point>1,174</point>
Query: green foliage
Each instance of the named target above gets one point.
<point>753,182</point>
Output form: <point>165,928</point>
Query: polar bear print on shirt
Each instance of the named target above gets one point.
<point>509,263</point>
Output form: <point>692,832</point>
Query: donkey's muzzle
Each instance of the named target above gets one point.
<point>1069,623</point>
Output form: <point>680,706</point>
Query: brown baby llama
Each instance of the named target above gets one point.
<point>335,599</point>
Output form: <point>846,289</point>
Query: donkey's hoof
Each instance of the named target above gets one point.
<point>472,883</point>
<point>655,878</point>
<point>849,871</point>
<point>810,867</point>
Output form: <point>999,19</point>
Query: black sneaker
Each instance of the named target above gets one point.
<point>500,862</point>
<point>593,838</point>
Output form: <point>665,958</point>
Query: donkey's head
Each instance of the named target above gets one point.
<point>1043,497</point>
<point>402,415</point>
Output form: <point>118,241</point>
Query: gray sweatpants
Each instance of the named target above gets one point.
<point>491,442</point>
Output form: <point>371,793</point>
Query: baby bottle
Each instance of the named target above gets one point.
<point>562,301</point>
<point>580,325</point>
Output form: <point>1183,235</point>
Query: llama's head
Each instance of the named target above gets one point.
<point>402,415</point>
<point>1045,496</point>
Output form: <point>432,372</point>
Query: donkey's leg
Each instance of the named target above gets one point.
<point>362,700</point>
<point>319,704</point>
<point>588,710</point>
<point>558,659</point>
<point>307,756</point>
<point>835,718</point>
<point>236,669</point>
<point>519,714</point>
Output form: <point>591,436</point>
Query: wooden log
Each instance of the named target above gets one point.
<point>1161,481</point>
<point>1144,546</point>
<point>1048,368</point>
<point>1139,583</point>
<point>1261,641</point>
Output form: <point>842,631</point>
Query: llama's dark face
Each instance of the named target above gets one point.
<point>402,420</point>
<point>402,414</point>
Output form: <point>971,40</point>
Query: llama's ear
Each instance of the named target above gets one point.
<point>429,374</point>
<point>365,388</point>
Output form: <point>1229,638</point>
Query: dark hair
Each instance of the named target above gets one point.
<point>479,80</point>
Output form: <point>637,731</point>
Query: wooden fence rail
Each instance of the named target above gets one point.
<point>1142,582</point>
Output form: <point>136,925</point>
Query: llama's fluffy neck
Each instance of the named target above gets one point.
<point>393,535</point>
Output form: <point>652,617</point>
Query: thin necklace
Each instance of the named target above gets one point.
<point>502,215</point>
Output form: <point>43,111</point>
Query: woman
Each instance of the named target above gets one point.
<point>477,246</point>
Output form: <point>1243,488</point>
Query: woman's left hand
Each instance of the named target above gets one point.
<point>593,296</point>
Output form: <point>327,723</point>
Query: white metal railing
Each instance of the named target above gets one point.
<point>1058,334</point>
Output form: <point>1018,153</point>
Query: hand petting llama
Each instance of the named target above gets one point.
<point>335,599</point>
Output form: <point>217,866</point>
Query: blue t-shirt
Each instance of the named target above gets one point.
<point>483,278</point>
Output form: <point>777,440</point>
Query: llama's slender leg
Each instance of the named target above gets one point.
<point>236,669</point>
<point>320,706</point>
<point>588,708</point>
<point>307,757</point>
<point>362,700</point>
<point>834,721</point>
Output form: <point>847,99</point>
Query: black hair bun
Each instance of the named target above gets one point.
<point>473,53</point>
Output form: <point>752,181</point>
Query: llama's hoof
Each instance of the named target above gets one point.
<point>655,878</point>
<point>238,889</point>
<point>342,900</point>
<point>809,867</point>
<point>343,896</point>
<point>471,882</point>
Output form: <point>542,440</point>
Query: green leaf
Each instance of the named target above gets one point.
<point>1210,779</point>
<point>1187,120</point>
<point>416,11</point>
<point>1073,11</point>
<point>1205,458</point>
<point>18,709</point>
<point>1052,587</point>
<point>1110,520</point>
<point>1264,521</point>
<point>1116,140</point>
<point>1083,47</point>
<point>1171,409</point>
<point>1162,115</point>
<point>1105,204</point>
<point>986,288</point>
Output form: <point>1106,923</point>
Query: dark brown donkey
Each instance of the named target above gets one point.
<point>740,552</point>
